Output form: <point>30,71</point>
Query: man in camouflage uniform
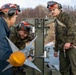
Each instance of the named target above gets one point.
<point>20,35</point>
<point>65,37</point>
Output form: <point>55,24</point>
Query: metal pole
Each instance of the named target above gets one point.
<point>39,45</point>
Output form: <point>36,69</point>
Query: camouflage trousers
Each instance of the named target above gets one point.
<point>68,62</point>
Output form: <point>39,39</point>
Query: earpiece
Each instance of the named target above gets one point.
<point>11,12</point>
<point>59,6</point>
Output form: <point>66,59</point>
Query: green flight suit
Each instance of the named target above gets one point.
<point>63,34</point>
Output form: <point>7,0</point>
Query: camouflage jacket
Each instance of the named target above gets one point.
<point>65,33</point>
<point>15,38</point>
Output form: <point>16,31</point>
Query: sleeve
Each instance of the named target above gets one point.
<point>31,37</point>
<point>56,37</point>
<point>13,34</point>
<point>69,22</point>
<point>56,47</point>
<point>4,46</point>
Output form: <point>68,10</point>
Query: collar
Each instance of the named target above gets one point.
<point>60,15</point>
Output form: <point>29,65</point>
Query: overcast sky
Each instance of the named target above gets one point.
<point>34,3</point>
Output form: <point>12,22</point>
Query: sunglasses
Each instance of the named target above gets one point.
<point>27,28</point>
<point>22,27</point>
<point>51,4</point>
<point>12,12</point>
